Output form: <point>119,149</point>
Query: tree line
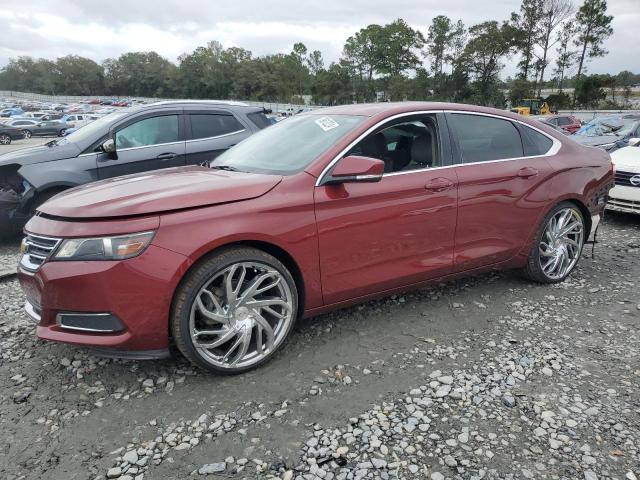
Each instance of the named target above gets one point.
<point>452,62</point>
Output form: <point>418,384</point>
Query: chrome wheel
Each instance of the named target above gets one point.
<point>241,315</point>
<point>561,243</point>
<point>5,139</point>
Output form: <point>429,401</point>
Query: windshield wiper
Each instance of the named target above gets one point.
<point>225,167</point>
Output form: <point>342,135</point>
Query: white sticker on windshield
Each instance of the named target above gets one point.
<point>327,123</point>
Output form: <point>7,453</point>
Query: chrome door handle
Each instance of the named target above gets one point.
<point>527,172</point>
<point>439,184</point>
<point>166,156</point>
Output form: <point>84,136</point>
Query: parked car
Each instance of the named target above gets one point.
<point>79,119</point>
<point>37,128</point>
<point>567,123</point>
<point>9,133</point>
<point>609,133</point>
<point>11,112</point>
<point>625,196</point>
<point>161,135</point>
<point>322,210</point>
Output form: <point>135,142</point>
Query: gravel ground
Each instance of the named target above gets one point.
<point>489,377</point>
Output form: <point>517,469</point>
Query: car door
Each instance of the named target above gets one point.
<point>211,132</point>
<point>501,165</point>
<point>148,142</point>
<point>396,232</point>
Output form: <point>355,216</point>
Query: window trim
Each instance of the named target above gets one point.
<point>555,147</point>
<point>216,136</point>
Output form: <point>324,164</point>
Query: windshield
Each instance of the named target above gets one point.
<point>288,146</point>
<point>88,131</point>
<point>614,127</point>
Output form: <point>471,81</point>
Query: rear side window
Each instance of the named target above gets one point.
<point>483,138</point>
<point>535,143</point>
<point>564,121</point>
<point>259,119</point>
<point>213,125</point>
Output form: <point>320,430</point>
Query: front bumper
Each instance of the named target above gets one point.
<point>137,292</point>
<point>624,199</point>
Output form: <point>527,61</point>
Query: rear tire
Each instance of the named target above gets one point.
<point>234,310</point>
<point>62,132</point>
<point>27,134</point>
<point>557,245</point>
<point>5,139</point>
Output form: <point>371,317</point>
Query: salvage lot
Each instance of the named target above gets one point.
<point>489,377</point>
<point>27,142</point>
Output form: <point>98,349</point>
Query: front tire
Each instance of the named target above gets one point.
<point>557,245</point>
<point>234,310</point>
<point>27,134</point>
<point>5,139</point>
<point>62,132</point>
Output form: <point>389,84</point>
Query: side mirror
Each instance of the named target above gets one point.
<point>108,146</point>
<point>634,142</point>
<point>356,169</point>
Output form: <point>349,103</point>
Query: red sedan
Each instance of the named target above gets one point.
<point>322,210</point>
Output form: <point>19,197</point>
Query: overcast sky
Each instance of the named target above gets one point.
<point>100,29</point>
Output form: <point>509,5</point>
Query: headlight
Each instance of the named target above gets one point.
<point>104,248</point>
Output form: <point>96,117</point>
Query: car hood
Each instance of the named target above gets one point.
<point>158,191</point>
<point>627,159</point>
<point>39,154</point>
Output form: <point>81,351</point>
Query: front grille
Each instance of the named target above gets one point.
<point>624,178</point>
<point>36,250</point>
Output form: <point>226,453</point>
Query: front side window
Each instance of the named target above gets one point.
<point>407,144</point>
<point>211,125</point>
<point>482,138</point>
<point>150,131</point>
<point>288,146</point>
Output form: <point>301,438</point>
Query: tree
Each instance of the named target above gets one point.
<point>79,75</point>
<point>145,74</point>
<point>589,91</point>
<point>520,88</point>
<point>398,48</point>
<point>555,12</point>
<point>315,63</point>
<point>527,25</point>
<point>438,43</point>
<point>593,28</point>
<point>566,57</point>
<point>488,44</point>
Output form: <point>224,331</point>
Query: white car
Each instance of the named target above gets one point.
<point>625,196</point>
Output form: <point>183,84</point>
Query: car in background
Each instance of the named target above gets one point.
<point>567,123</point>
<point>323,210</point>
<point>78,120</point>
<point>625,196</point>
<point>138,139</point>
<point>11,112</point>
<point>7,135</point>
<point>609,133</point>
<point>37,128</point>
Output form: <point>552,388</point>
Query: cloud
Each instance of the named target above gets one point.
<point>54,28</point>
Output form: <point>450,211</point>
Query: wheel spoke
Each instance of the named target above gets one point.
<point>241,314</point>
<point>210,315</point>
<point>268,302</point>
<point>220,341</point>
<point>256,287</point>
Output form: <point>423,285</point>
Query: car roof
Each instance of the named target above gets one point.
<point>385,109</point>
